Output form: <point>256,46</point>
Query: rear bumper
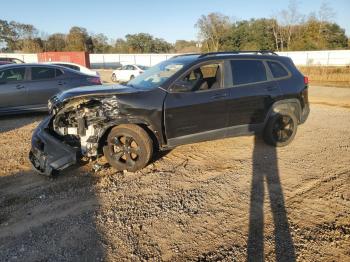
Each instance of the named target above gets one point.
<point>305,113</point>
<point>48,154</point>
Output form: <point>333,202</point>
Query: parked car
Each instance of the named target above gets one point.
<point>5,63</point>
<point>11,60</point>
<point>27,87</point>
<point>127,72</point>
<point>186,99</point>
<point>76,67</point>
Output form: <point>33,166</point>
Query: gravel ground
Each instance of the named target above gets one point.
<point>226,200</point>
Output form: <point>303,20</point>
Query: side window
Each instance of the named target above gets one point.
<point>69,66</point>
<point>277,70</point>
<point>39,73</point>
<point>204,77</point>
<point>58,72</point>
<point>75,67</point>
<point>124,67</point>
<point>14,74</point>
<point>248,71</point>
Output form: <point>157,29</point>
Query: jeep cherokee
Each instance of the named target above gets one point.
<point>186,99</point>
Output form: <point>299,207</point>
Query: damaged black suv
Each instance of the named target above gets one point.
<point>186,99</point>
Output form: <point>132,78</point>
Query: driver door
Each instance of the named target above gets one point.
<point>199,113</point>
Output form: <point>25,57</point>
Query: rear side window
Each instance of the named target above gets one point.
<point>14,74</point>
<point>248,71</point>
<point>70,66</point>
<point>277,70</point>
<point>58,72</point>
<point>40,73</point>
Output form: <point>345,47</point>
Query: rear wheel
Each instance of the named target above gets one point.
<point>129,147</point>
<point>281,129</point>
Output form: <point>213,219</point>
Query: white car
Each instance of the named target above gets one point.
<point>76,67</point>
<point>127,72</point>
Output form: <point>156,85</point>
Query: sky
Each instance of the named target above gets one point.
<point>170,20</point>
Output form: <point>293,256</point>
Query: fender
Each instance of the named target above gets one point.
<point>292,104</point>
<point>145,124</point>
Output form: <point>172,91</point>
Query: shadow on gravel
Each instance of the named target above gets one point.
<point>265,168</point>
<point>49,219</point>
<point>12,122</point>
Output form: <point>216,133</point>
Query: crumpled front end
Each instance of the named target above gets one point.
<point>48,154</point>
<point>73,131</point>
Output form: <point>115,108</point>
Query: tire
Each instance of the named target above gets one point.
<point>129,147</point>
<point>114,78</point>
<point>281,129</point>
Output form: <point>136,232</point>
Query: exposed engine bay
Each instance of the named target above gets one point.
<point>82,121</point>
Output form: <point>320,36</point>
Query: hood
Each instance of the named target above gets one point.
<point>95,91</point>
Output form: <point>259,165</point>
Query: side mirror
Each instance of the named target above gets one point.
<point>181,86</point>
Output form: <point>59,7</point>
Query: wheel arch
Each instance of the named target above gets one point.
<point>151,131</point>
<point>292,105</point>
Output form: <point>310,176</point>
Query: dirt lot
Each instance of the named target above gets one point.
<point>232,200</point>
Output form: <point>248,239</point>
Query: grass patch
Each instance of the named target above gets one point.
<point>327,75</point>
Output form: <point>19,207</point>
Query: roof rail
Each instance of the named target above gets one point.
<point>262,52</point>
<point>187,54</point>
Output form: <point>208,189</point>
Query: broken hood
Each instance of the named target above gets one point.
<point>96,91</point>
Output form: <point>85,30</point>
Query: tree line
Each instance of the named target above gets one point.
<point>287,30</point>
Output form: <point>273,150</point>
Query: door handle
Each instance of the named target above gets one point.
<point>60,83</point>
<point>19,86</point>
<point>218,96</point>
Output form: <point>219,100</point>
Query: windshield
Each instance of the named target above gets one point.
<point>157,75</point>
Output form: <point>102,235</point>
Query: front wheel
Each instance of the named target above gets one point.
<point>281,129</point>
<point>129,147</point>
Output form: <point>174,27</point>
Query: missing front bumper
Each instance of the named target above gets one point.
<point>49,154</point>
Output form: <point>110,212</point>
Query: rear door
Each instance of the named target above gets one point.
<point>252,94</point>
<point>45,82</point>
<point>13,87</point>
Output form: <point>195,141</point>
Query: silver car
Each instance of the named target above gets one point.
<point>27,87</point>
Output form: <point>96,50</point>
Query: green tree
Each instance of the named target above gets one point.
<point>31,45</point>
<point>100,43</point>
<point>255,34</point>
<point>213,30</point>
<point>184,46</point>
<point>78,40</point>
<point>139,43</point>
<point>145,43</point>
<point>121,46</point>
<point>56,42</point>
<point>13,34</point>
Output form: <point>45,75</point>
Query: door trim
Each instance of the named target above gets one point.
<point>232,131</point>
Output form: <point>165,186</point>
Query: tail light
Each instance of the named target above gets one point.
<point>306,80</point>
<point>95,80</point>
